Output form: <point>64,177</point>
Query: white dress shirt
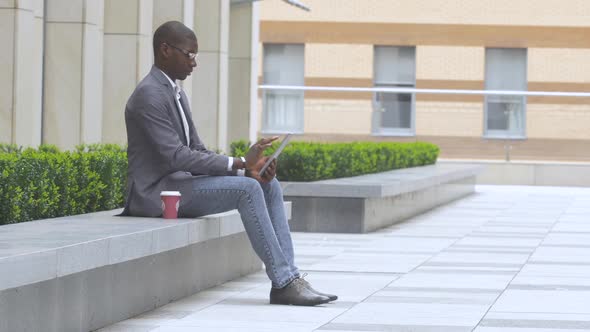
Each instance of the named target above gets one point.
<point>176,88</point>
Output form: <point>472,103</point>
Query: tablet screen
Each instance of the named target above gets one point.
<point>276,153</point>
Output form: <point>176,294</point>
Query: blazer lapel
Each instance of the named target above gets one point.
<point>184,104</point>
<point>173,107</point>
<point>177,119</point>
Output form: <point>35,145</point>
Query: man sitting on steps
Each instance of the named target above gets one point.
<point>166,153</point>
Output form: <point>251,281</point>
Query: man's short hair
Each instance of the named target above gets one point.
<point>171,32</point>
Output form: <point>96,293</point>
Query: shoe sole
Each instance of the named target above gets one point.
<point>303,304</point>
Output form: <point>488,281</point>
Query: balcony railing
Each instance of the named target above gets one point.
<point>393,109</point>
<point>428,91</point>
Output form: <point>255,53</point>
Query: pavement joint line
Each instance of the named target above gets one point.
<point>353,272</point>
<point>517,273</point>
<point>518,282</point>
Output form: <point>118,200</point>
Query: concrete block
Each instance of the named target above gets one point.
<point>63,81</point>
<point>120,78</point>
<point>94,12</point>
<point>532,173</point>
<point>65,10</point>
<point>369,202</point>
<point>7,66</point>
<point>327,214</point>
<point>28,78</point>
<point>27,269</point>
<point>30,308</point>
<point>508,174</point>
<point>383,212</point>
<point>205,90</point>
<point>7,4</point>
<point>146,18</point>
<point>231,223</point>
<point>132,287</point>
<point>239,90</point>
<point>170,237</point>
<point>81,257</point>
<point>288,210</point>
<point>91,104</point>
<point>38,8</point>
<point>203,230</point>
<point>92,299</point>
<point>99,308</point>
<point>167,10</point>
<point>213,17</point>
<point>570,175</point>
<point>130,246</point>
<point>121,16</point>
<point>72,302</point>
<point>112,268</point>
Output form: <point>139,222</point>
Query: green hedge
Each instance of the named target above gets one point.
<point>302,161</point>
<point>46,183</point>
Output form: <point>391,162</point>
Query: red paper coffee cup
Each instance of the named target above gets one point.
<point>170,203</point>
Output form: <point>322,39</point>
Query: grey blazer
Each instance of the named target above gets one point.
<point>158,156</point>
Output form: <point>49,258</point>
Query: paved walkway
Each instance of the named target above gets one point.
<point>514,259</point>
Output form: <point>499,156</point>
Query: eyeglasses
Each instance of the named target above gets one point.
<point>188,54</point>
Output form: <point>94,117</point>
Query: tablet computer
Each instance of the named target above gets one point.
<point>275,154</point>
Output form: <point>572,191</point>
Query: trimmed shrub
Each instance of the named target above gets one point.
<point>47,183</point>
<point>303,161</point>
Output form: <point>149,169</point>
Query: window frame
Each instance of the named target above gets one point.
<point>297,128</point>
<point>498,133</point>
<point>376,124</point>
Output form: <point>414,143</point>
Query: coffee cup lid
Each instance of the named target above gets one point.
<point>170,193</point>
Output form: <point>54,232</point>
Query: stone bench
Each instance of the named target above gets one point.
<point>83,272</point>
<point>366,203</point>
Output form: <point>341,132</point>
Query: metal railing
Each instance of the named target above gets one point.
<point>512,104</point>
<point>429,91</point>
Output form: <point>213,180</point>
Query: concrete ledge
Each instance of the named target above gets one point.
<point>84,272</point>
<point>369,202</point>
<point>530,173</point>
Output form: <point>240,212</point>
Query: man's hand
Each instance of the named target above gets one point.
<point>268,175</point>
<point>254,155</point>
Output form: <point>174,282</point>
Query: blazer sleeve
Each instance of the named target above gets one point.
<point>152,119</point>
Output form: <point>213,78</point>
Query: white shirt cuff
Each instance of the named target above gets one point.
<point>230,163</point>
<point>242,171</point>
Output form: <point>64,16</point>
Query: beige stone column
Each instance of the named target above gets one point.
<point>243,72</point>
<point>128,57</point>
<point>7,18</point>
<point>210,83</point>
<point>21,65</point>
<point>73,72</point>
<point>176,10</point>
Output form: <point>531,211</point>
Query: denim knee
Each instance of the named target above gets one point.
<point>275,185</point>
<point>251,186</point>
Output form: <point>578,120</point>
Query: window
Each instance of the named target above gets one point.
<point>505,115</point>
<point>393,113</point>
<point>283,109</point>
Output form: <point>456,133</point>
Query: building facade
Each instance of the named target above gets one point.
<point>68,67</point>
<point>487,45</point>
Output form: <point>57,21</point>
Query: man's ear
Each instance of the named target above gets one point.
<point>165,50</point>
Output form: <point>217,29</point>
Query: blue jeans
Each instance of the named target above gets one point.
<point>263,214</point>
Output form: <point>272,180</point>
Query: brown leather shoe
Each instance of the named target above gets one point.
<point>296,293</point>
<point>332,297</point>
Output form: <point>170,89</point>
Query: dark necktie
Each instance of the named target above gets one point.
<point>182,116</point>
